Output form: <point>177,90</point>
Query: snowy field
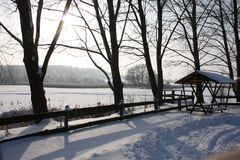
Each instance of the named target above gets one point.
<point>175,135</point>
<point>15,97</point>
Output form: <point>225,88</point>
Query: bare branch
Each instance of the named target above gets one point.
<point>125,24</point>
<point>54,41</point>
<point>103,34</point>
<point>38,22</point>
<point>11,34</point>
<point>91,31</point>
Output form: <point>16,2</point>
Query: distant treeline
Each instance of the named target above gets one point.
<point>57,76</point>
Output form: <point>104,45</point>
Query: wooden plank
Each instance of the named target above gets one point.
<point>91,111</point>
<point>88,124</point>
<point>32,117</point>
<point>233,104</point>
<point>225,97</point>
<point>127,105</point>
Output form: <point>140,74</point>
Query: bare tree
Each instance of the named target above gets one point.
<point>222,40</point>
<point>138,76</point>
<point>194,32</point>
<point>30,44</point>
<point>140,18</point>
<point>106,29</point>
<point>155,37</point>
<point>228,36</point>
<point>163,41</point>
<point>237,42</point>
<point>159,52</point>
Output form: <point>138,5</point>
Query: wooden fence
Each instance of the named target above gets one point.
<point>69,114</point>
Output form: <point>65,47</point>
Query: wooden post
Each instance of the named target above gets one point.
<point>121,109</point>
<point>173,95</point>
<point>179,104</point>
<point>192,97</point>
<point>184,95</point>
<point>156,104</point>
<point>66,116</point>
<point>228,94</point>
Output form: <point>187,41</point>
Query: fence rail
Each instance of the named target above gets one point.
<point>83,112</point>
<point>68,114</point>
<point>169,96</point>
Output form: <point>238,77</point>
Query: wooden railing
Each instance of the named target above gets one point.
<point>177,93</point>
<point>83,112</point>
<point>69,114</point>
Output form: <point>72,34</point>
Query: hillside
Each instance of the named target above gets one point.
<point>57,76</point>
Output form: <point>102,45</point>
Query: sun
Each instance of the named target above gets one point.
<point>68,30</point>
<point>67,19</point>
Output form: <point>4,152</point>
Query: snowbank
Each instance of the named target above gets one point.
<point>161,136</point>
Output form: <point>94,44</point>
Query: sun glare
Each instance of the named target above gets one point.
<point>67,20</point>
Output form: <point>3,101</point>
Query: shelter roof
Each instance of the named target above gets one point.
<point>201,76</point>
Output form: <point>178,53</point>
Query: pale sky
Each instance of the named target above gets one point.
<point>70,57</point>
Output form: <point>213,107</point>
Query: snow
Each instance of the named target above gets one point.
<point>165,136</point>
<point>17,97</point>
<point>217,77</point>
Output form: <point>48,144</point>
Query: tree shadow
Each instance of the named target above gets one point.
<point>72,147</point>
<point>169,142</point>
<point>22,145</point>
<point>165,138</point>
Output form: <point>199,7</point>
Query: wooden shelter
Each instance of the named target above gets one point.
<point>211,81</point>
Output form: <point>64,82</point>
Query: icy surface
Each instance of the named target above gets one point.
<point>16,97</point>
<point>162,136</point>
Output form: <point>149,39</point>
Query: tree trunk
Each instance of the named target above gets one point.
<point>160,82</point>
<point>195,50</point>
<point>39,101</point>
<point>159,52</point>
<point>117,85</point>
<point>117,82</point>
<point>237,43</point>
<point>225,40</point>
<point>151,75</point>
<point>31,58</point>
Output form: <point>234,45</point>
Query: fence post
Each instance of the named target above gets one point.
<point>121,108</point>
<point>179,104</point>
<point>173,96</point>
<point>192,98</point>
<point>66,116</point>
<point>156,104</point>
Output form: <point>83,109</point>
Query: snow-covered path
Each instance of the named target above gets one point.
<point>171,135</point>
<point>192,137</point>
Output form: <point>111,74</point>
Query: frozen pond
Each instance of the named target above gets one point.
<point>18,96</point>
<point>15,97</point>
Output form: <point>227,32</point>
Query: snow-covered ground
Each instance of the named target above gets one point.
<point>16,97</point>
<point>174,135</point>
